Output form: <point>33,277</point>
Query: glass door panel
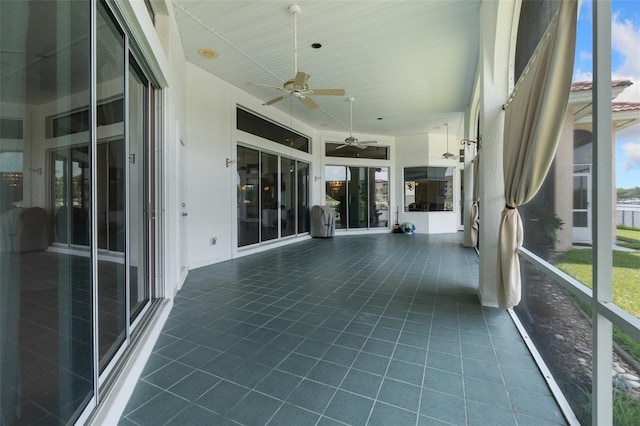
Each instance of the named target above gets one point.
<point>357,193</point>
<point>46,341</point>
<point>336,193</point>
<point>110,54</point>
<point>139,199</point>
<point>379,196</point>
<point>248,196</point>
<point>72,189</point>
<point>303,197</point>
<point>269,196</point>
<point>287,197</point>
<point>581,202</point>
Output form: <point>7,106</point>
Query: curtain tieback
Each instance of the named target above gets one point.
<point>508,207</point>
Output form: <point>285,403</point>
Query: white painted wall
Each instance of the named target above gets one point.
<point>418,151</point>
<point>210,138</point>
<point>168,45</point>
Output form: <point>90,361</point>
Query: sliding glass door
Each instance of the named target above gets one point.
<point>272,196</point>
<point>46,285</point>
<point>358,195</point>
<point>76,203</point>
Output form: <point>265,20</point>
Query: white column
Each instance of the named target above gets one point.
<point>468,180</point>
<point>602,410</point>
<point>498,28</point>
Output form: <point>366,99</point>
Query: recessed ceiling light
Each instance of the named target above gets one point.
<point>208,53</point>
<point>316,45</point>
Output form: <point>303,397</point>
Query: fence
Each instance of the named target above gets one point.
<point>628,215</point>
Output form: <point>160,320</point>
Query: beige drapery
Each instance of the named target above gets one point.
<point>533,121</point>
<point>475,211</point>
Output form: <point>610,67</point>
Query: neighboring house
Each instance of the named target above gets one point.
<point>574,160</point>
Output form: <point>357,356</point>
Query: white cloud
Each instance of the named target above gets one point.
<point>625,40</point>
<point>585,56</point>
<point>631,155</point>
<point>580,75</point>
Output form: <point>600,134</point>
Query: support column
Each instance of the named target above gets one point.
<point>468,180</point>
<point>499,22</point>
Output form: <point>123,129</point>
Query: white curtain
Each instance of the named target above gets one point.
<point>475,211</point>
<point>534,118</point>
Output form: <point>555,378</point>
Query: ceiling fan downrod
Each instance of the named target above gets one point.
<point>295,10</point>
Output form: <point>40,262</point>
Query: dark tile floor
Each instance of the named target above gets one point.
<point>374,329</point>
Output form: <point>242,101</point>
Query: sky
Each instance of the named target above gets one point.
<point>625,64</point>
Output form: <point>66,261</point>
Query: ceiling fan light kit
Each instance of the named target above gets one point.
<point>297,86</point>
<point>448,155</point>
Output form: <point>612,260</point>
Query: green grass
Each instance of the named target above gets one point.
<point>626,275</point>
<point>628,237</point>
<point>626,294</point>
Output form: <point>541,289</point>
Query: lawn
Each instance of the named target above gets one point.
<point>626,294</point>
<point>629,238</point>
<point>626,275</point>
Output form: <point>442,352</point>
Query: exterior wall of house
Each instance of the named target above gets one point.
<point>564,184</point>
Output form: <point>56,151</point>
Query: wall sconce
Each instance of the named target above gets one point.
<point>478,142</point>
<point>229,162</point>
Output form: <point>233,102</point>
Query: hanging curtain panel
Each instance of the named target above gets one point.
<point>534,118</point>
<point>475,209</point>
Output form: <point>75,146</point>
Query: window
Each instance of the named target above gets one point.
<point>77,121</point>
<point>11,128</point>
<point>256,125</point>
<point>370,152</point>
<point>428,189</point>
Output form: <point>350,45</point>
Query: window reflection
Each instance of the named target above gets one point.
<point>46,361</point>
<point>428,189</point>
<point>110,56</point>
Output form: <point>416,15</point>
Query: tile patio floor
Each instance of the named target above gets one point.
<point>379,329</point>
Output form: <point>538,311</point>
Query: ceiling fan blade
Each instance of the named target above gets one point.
<point>274,100</point>
<point>342,146</point>
<point>360,146</point>
<point>327,92</point>
<point>270,86</point>
<point>308,102</point>
<point>300,80</point>
<point>367,142</point>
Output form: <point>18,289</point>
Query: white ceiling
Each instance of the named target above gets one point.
<point>412,63</point>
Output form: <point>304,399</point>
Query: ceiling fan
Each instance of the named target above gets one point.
<point>352,141</point>
<point>297,86</point>
<point>448,155</point>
